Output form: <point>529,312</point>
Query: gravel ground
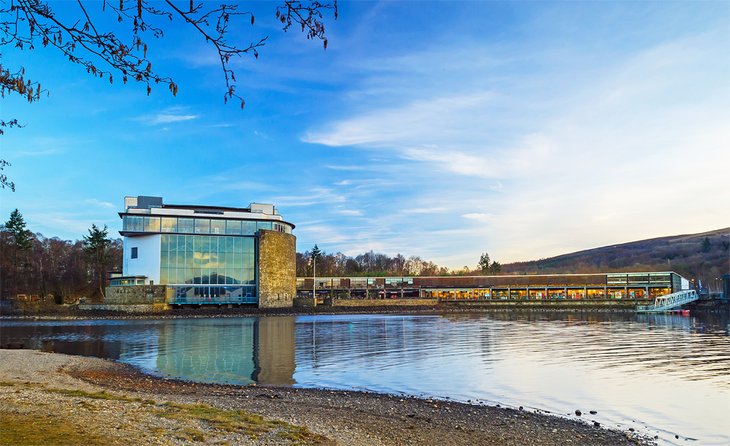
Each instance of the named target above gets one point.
<point>130,410</point>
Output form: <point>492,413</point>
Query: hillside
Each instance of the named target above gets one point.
<point>703,256</point>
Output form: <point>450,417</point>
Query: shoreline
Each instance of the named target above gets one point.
<point>76,314</point>
<point>321,416</point>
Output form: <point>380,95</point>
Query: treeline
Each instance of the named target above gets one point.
<point>31,264</point>
<point>378,264</point>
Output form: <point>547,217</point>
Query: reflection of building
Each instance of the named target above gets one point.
<point>209,255</point>
<point>636,286</point>
<point>274,354</point>
<point>236,351</point>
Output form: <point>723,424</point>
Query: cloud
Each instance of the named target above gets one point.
<point>544,161</point>
<point>349,212</point>
<point>99,203</point>
<point>480,217</point>
<point>168,116</point>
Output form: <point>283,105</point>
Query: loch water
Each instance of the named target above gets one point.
<point>662,375</point>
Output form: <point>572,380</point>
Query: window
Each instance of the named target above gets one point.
<point>134,252</point>
<point>169,224</point>
<point>217,226</point>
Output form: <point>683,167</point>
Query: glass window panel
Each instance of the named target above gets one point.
<point>229,259</point>
<point>185,225</point>
<point>233,227</point>
<point>164,259</point>
<point>133,223</point>
<point>169,224</point>
<point>197,275</point>
<point>249,228</point>
<point>152,224</point>
<point>229,244</point>
<point>263,225</point>
<point>249,276</point>
<point>189,243</point>
<point>202,225</point>
<point>163,276</point>
<point>238,244</point>
<point>229,276</point>
<point>217,226</point>
<point>221,278</point>
<point>238,275</point>
<point>248,244</point>
<point>197,244</point>
<point>179,259</point>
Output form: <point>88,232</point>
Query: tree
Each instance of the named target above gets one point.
<point>315,256</point>
<point>123,53</point>
<point>706,245</point>
<point>483,264</point>
<point>20,241</point>
<point>96,246</point>
<point>486,266</point>
<point>20,235</point>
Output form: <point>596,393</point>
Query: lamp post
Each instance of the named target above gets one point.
<point>314,279</point>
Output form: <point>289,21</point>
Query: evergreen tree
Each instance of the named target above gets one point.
<point>316,256</point>
<point>706,245</point>
<point>96,247</point>
<point>19,243</point>
<point>484,263</point>
<point>20,235</point>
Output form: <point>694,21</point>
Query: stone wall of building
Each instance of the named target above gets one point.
<point>136,295</point>
<point>277,269</point>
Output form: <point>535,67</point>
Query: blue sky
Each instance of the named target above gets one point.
<point>443,129</point>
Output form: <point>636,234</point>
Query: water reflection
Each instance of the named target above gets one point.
<point>663,375</point>
<point>237,351</point>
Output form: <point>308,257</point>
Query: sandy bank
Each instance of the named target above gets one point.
<point>108,403</point>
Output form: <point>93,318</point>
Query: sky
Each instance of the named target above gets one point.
<point>432,129</point>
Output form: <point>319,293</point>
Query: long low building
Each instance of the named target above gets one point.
<point>631,285</point>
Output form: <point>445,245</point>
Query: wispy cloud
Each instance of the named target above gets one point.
<point>349,212</point>
<point>99,203</point>
<point>167,116</point>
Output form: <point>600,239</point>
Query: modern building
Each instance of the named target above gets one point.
<point>209,255</point>
<point>603,286</point>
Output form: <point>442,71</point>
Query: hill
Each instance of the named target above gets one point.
<point>703,256</point>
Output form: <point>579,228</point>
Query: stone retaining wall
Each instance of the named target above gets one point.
<point>136,294</point>
<point>383,302</point>
<point>127,308</point>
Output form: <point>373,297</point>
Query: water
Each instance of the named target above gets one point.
<point>662,375</point>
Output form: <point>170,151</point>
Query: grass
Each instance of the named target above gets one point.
<point>93,395</point>
<point>239,421</point>
<point>15,429</point>
<point>33,428</point>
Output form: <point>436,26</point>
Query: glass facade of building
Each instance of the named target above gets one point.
<point>609,286</point>
<point>190,225</point>
<point>215,268</point>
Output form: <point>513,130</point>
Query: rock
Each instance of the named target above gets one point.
<point>596,424</point>
<point>593,412</point>
<point>578,412</point>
